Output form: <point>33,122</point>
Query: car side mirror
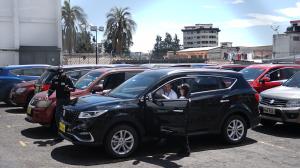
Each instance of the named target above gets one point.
<point>264,79</point>
<point>97,88</point>
<point>149,97</point>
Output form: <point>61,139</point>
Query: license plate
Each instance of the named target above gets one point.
<point>29,110</point>
<point>269,111</point>
<point>62,127</point>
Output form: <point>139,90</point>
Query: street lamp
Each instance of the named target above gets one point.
<point>95,29</point>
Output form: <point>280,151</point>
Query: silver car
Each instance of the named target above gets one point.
<point>281,104</point>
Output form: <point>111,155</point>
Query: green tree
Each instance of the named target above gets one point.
<point>71,18</point>
<point>119,29</point>
<point>161,47</point>
<point>83,41</point>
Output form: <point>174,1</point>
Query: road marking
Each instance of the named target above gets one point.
<point>8,126</point>
<point>22,144</point>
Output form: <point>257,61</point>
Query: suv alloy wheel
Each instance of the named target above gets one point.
<point>121,141</point>
<point>234,129</point>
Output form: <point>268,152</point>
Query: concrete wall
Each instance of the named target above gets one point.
<point>29,23</point>
<point>281,45</point>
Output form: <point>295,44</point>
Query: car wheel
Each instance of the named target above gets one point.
<point>234,130</point>
<point>121,141</point>
<point>267,123</point>
<point>8,100</point>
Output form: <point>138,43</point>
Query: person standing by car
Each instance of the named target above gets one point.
<point>185,150</point>
<point>63,85</point>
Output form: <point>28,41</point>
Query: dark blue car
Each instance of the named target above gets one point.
<point>13,74</point>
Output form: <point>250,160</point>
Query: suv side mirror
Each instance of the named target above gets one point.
<point>264,79</point>
<point>97,88</point>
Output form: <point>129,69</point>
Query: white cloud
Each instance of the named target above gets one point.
<point>255,19</point>
<point>209,6</point>
<point>291,12</point>
<point>237,1</point>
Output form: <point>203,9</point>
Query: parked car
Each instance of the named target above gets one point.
<point>281,104</point>
<point>14,74</point>
<point>265,76</point>
<point>22,93</point>
<point>233,67</point>
<point>181,65</point>
<point>220,102</point>
<point>42,110</point>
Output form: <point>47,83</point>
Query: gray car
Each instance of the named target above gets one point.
<point>281,104</point>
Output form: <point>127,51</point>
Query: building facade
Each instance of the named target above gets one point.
<point>30,32</point>
<point>200,35</point>
<point>287,45</point>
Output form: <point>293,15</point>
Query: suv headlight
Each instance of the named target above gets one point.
<point>43,103</point>
<point>20,90</point>
<point>91,114</point>
<point>293,103</point>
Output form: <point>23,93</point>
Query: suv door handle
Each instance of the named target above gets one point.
<point>178,111</point>
<point>224,101</point>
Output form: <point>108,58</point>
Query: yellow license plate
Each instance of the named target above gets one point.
<point>29,110</point>
<point>62,127</point>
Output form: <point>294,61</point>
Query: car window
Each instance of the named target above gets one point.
<point>86,80</point>
<point>129,75</point>
<point>113,80</point>
<point>74,74</point>
<point>83,72</point>
<point>17,71</point>
<point>294,81</point>
<point>206,83</point>
<point>251,74</point>
<point>33,72</point>
<point>281,74</point>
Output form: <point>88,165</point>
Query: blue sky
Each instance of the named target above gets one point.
<point>243,22</point>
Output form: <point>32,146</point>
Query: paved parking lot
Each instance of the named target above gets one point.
<point>29,145</point>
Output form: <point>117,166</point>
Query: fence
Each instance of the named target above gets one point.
<point>88,58</point>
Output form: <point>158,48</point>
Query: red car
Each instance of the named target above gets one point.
<point>41,110</point>
<point>22,93</point>
<point>265,76</point>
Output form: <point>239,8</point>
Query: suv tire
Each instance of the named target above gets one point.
<point>234,129</point>
<point>121,141</point>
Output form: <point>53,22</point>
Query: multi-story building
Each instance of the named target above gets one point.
<point>30,32</point>
<point>287,45</point>
<point>200,35</point>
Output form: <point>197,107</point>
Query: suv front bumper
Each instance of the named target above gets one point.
<point>280,114</point>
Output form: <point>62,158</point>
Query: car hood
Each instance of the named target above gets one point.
<point>282,92</point>
<point>97,102</point>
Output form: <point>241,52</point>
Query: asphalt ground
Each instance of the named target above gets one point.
<point>23,144</point>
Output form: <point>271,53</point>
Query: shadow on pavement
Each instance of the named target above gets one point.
<point>4,105</point>
<point>280,130</point>
<point>16,111</point>
<point>40,132</point>
<point>159,154</point>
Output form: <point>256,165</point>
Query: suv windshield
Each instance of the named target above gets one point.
<point>293,81</point>
<point>136,85</point>
<point>46,77</point>
<point>250,74</point>
<point>87,80</point>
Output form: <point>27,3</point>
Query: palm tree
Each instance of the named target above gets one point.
<point>71,18</point>
<point>119,29</point>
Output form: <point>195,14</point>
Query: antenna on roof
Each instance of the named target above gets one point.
<point>275,28</point>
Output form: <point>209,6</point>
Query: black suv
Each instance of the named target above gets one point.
<point>220,102</point>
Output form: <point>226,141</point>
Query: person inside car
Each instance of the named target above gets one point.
<point>167,92</point>
<point>185,150</point>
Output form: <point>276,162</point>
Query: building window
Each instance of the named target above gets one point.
<point>198,37</point>
<point>198,42</point>
<point>296,38</point>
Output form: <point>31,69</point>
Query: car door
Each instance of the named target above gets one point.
<point>277,77</point>
<point>167,116</point>
<point>208,99</point>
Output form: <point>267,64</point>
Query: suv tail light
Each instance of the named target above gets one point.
<point>45,87</point>
<point>257,97</point>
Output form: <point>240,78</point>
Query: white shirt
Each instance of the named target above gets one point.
<point>170,95</point>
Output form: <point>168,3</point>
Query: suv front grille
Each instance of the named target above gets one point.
<point>273,102</point>
<point>70,116</point>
